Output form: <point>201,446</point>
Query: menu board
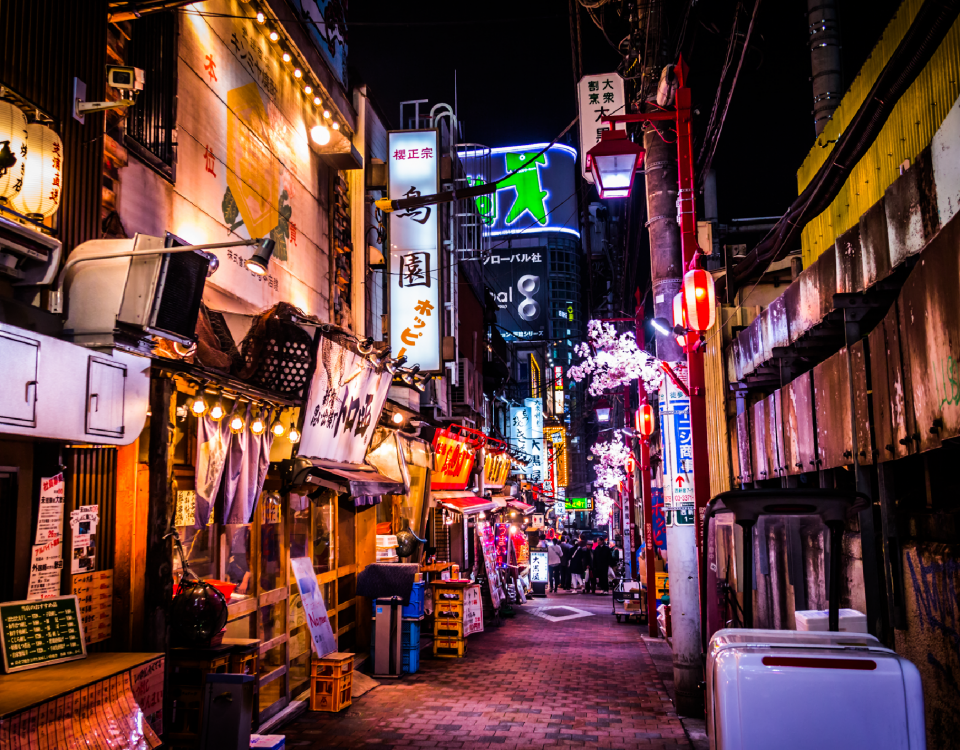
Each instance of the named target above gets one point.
<point>94,591</point>
<point>472,610</point>
<point>489,560</point>
<point>36,633</point>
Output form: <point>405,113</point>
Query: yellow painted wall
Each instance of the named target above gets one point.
<point>909,129</point>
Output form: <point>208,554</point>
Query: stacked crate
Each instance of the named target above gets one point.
<point>448,638</point>
<point>331,682</point>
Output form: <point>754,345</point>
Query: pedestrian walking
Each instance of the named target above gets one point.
<point>580,566</point>
<point>554,559</point>
<point>599,565</point>
<point>567,550</point>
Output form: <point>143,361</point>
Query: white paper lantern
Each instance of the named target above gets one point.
<point>13,136</point>
<point>40,194</point>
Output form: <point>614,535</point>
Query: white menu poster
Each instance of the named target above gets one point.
<point>472,610</point>
<point>50,514</point>
<point>313,606</point>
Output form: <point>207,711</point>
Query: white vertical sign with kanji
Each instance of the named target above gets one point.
<point>677,440</point>
<point>599,96</point>
<point>413,169</point>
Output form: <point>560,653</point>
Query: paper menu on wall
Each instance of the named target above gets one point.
<point>83,524</point>
<point>50,514</point>
<point>46,565</point>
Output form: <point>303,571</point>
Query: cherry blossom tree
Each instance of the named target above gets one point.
<point>614,360</point>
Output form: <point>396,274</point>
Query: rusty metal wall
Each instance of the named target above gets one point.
<point>832,403</point>
<point>46,44</point>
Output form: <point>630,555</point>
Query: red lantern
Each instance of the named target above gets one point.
<point>688,340</point>
<point>699,300</point>
<point>646,420</point>
<point>630,464</point>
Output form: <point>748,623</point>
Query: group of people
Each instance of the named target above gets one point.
<point>581,565</point>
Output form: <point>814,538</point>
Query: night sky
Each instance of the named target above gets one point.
<point>515,77</point>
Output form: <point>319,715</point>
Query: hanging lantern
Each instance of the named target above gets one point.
<point>631,464</point>
<point>699,300</point>
<point>687,340</point>
<point>40,194</point>
<point>13,149</point>
<point>646,420</point>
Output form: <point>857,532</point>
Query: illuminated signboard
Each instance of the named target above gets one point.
<point>557,438</point>
<point>538,196</point>
<point>536,469</point>
<point>453,460</point>
<point>579,503</point>
<point>496,469</point>
<point>598,96</point>
<point>539,569</point>
<point>557,390</point>
<point>413,169</point>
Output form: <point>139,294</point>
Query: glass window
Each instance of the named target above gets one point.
<point>299,672</point>
<point>199,546</point>
<point>245,627</point>
<point>272,564</point>
<point>346,532</point>
<point>237,562</point>
<point>323,532</point>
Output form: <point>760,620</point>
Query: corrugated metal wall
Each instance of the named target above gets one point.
<point>911,125</point>
<point>46,43</point>
<point>716,384</point>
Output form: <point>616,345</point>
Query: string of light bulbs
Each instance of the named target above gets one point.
<point>200,406</point>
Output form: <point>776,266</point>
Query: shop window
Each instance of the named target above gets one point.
<point>300,670</point>
<point>324,541</point>
<point>273,620</point>
<point>243,627</point>
<point>272,563</point>
<point>200,546</point>
<point>237,561</point>
<point>152,121</point>
<point>346,531</point>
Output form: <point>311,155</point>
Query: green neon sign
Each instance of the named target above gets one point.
<point>579,503</point>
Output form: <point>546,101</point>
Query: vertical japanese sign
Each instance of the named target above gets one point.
<point>520,428</point>
<point>558,403</point>
<point>599,96</point>
<point>413,169</point>
<point>677,451</point>
<point>314,608</point>
<point>46,561</point>
<point>536,471</point>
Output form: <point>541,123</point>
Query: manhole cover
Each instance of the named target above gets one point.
<point>560,614</point>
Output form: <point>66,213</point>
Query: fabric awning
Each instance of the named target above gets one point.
<point>521,506</point>
<point>464,502</point>
<point>361,480</point>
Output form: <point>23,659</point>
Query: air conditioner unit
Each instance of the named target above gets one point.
<point>464,394</point>
<point>125,300</point>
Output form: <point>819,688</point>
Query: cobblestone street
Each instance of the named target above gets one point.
<point>548,677</point>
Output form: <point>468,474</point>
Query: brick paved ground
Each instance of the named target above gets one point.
<point>530,683</point>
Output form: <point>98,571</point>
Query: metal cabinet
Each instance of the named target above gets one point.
<point>105,391</point>
<point>19,359</point>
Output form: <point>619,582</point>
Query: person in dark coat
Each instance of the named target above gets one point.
<point>567,550</point>
<point>599,565</point>
<point>580,565</point>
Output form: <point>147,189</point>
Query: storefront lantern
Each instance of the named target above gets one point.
<point>646,420</point>
<point>613,162</point>
<point>43,176</point>
<point>13,150</point>
<point>699,300</point>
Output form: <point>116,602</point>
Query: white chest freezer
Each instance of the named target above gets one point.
<point>794,690</point>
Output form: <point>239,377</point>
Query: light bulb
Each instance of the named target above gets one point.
<point>397,418</point>
<point>513,514</point>
<point>257,427</point>
<point>286,57</point>
<point>336,126</point>
<point>308,89</point>
<point>294,434</point>
<point>274,36</point>
<point>261,18</point>
<point>326,113</point>
<point>482,514</point>
<point>297,73</point>
<point>316,101</point>
<point>216,413</point>
<point>320,135</point>
<point>198,406</point>
<point>236,424</point>
<point>279,429</point>
<point>513,529</point>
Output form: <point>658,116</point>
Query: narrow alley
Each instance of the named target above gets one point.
<point>561,673</point>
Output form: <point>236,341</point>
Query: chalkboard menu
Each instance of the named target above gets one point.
<point>37,633</point>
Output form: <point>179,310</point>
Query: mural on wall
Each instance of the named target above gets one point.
<point>326,22</point>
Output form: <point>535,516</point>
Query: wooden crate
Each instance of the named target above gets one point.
<point>448,629</point>
<point>449,648</point>
<point>448,611</point>
<point>331,694</point>
<point>332,665</point>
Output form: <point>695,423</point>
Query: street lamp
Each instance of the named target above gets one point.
<point>603,410</point>
<point>613,162</point>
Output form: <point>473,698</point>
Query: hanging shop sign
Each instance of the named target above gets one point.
<point>413,169</point>
<point>454,454</point>
<point>677,439</point>
<point>346,397</point>
<point>37,633</point>
<point>556,437</point>
<point>496,469</point>
<point>579,503</point>
<point>598,96</point>
<point>536,470</point>
<point>558,400</point>
<point>520,429</point>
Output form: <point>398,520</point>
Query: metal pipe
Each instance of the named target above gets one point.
<point>825,64</point>
<point>747,527</point>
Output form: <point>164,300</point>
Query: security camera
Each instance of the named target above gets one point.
<point>125,77</point>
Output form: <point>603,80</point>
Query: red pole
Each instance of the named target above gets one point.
<point>647,499</point>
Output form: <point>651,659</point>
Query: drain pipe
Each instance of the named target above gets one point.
<point>824,31</point>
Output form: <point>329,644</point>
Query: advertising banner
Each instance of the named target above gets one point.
<point>413,169</point>
<point>536,469</point>
<point>314,608</point>
<point>344,404</point>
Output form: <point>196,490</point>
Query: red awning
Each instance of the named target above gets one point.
<point>463,502</point>
<point>521,506</point>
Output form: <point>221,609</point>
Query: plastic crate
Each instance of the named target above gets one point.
<point>449,648</point>
<point>411,635</point>
<point>331,694</point>
<point>415,607</point>
<point>448,629</point>
<point>411,659</point>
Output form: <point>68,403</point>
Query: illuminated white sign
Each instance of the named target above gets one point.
<point>413,169</point>
<point>539,569</point>
<point>536,470</point>
<point>599,96</point>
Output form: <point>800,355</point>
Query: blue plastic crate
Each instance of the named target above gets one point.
<point>415,607</point>
<point>410,637</point>
<point>411,659</point>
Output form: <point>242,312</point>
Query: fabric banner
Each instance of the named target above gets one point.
<point>346,397</point>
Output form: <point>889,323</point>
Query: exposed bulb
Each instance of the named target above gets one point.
<point>320,135</point>
<point>257,426</point>
<point>308,89</point>
<point>397,418</point>
<point>236,424</point>
<point>294,434</point>
<point>286,57</point>
<point>274,36</point>
<point>198,406</point>
<point>279,429</point>
<point>316,101</point>
<point>326,113</point>
<point>336,126</point>
<point>261,18</point>
<point>297,73</point>
<point>216,413</point>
